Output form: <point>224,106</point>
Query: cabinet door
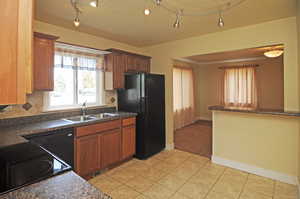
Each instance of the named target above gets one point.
<point>110,148</point>
<point>118,71</point>
<point>87,155</point>
<point>128,141</point>
<point>15,49</point>
<point>130,63</point>
<point>145,65</point>
<point>43,64</point>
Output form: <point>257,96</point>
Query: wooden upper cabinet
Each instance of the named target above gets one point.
<point>114,71</point>
<point>44,61</point>
<point>143,64</point>
<point>15,50</point>
<point>137,63</point>
<point>130,63</point>
<point>119,62</point>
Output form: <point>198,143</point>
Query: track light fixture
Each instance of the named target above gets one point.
<point>218,9</point>
<point>221,20</point>
<point>158,2</point>
<point>94,3</point>
<point>147,11</point>
<point>76,21</point>
<point>178,18</point>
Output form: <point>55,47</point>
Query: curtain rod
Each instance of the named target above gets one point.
<point>240,66</point>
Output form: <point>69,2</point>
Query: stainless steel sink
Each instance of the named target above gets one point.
<point>80,118</point>
<point>105,115</point>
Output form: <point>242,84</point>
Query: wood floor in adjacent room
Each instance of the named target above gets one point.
<point>195,138</point>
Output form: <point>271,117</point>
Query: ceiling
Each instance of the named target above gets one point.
<point>124,21</point>
<point>232,56</point>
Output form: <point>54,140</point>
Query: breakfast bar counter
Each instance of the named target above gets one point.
<point>255,111</point>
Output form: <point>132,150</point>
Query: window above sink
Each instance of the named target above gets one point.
<point>78,78</point>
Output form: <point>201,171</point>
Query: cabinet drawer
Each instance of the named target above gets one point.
<point>97,128</point>
<point>128,121</point>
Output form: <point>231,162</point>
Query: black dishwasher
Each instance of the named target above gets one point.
<point>59,142</point>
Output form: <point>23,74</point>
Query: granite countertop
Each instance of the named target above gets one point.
<point>65,186</point>
<point>255,111</point>
<point>10,135</point>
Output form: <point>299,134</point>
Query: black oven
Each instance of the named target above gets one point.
<point>59,142</point>
<point>26,163</point>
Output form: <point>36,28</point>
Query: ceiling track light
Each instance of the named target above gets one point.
<point>177,23</point>
<point>76,21</point>
<point>158,2</point>
<point>94,3</point>
<point>221,23</point>
<point>147,11</point>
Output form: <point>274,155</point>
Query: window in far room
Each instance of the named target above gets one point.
<point>240,86</point>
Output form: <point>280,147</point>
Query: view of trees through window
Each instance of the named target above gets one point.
<point>73,84</point>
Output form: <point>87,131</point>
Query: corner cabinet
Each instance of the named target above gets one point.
<point>15,50</point>
<point>119,62</point>
<point>102,145</point>
<point>43,62</point>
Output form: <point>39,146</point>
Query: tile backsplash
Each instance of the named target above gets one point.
<point>34,105</point>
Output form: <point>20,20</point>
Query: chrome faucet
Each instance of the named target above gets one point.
<point>83,109</point>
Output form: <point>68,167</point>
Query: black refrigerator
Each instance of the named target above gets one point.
<point>144,94</point>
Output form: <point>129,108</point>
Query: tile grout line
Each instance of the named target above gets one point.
<point>243,186</point>
<point>274,188</point>
<point>155,182</point>
<point>206,195</point>
<point>188,180</point>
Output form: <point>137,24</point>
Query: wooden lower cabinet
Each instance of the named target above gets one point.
<point>87,158</point>
<point>110,148</point>
<point>102,145</point>
<point>128,141</point>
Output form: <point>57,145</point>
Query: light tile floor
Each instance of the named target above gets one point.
<point>180,175</point>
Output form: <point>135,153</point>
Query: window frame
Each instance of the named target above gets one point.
<point>100,94</point>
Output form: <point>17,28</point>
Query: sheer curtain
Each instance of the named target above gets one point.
<point>78,60</point>
<point>240,87</point>
<point>183,97</point>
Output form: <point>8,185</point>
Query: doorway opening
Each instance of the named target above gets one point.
<point>248,78</point>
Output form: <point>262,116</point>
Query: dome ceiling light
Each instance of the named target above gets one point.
<point>273,53</point>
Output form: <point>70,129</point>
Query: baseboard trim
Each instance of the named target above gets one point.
<point>170,146</point>
<point>256,170</point>
<point>204,119</point>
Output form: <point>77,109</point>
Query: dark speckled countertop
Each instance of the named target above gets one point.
<point>10,135</point>
<point>65,186</point>
<point>255,111</point>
